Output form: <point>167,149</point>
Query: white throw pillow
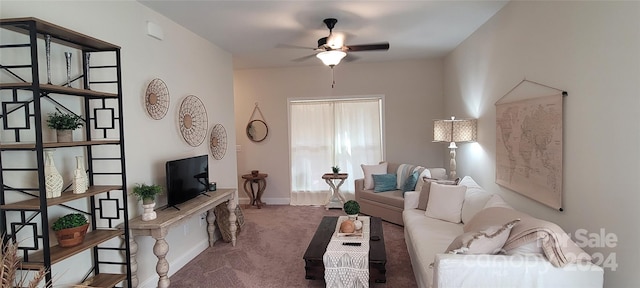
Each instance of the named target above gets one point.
<point>487,241</point>
<point>369,170</point>
<point>445,202</point>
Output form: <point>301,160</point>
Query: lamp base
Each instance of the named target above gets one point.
<point>452,164</point>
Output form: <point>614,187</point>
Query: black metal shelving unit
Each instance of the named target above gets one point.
<point>24,207</point>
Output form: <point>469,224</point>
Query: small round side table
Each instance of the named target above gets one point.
<point>255,194</point>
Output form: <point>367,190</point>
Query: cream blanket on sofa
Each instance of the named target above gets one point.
<point>558,247</point>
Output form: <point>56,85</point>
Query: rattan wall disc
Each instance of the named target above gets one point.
<point>193,120</point>
<point>156,99</point>
<point>218,141</point>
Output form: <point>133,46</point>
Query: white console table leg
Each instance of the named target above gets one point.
<point>232,220</point>
<point>211,228</point>
<point>160,249</point>
<point>133,249</point>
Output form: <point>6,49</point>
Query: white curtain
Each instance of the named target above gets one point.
<point>327,133</point>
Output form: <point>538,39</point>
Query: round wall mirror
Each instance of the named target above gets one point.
<point>257,130</point>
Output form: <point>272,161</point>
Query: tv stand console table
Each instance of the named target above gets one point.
<point>170,217</point>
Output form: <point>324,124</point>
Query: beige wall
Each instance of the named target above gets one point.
<point>189,65</point>
<point>591,50</point>
<point>413,98</point>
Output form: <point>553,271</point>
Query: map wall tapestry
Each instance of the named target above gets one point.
<point>529,147</point>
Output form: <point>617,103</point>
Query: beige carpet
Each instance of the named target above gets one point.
<point>270,248</point>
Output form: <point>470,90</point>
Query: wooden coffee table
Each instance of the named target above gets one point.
<point>314,266</point>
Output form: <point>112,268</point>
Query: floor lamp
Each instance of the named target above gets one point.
<point>452,131</point>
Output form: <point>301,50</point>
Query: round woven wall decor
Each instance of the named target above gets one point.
<point>218,141</point>
<point>156,99</point>
<point>193,120</point>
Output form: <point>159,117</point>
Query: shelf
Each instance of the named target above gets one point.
<point>59,90</point>
<point>32,145</point>
<point>67,37</point>
<point>103,280</point>
<point>30,34</point>
<point>92,239</point>
<point>34,204</point>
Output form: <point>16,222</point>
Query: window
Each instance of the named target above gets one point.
<point>325,133</point>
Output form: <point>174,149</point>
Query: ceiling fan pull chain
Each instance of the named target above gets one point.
<point>333,78</point>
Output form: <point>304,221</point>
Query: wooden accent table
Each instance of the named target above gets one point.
<point>159,227</point>
<point>314,266</point>
<point>335,199</point>
<point>255,194</point>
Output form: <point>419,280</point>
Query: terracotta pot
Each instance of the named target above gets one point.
<point>72,236</point>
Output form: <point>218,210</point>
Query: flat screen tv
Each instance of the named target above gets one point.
<point>186,179</point>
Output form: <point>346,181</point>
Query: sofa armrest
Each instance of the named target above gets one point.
<point>530,270</point>
<point>359,186</point>
<point>411,199</point>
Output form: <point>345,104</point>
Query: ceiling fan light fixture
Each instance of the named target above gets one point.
<point>331,58</point>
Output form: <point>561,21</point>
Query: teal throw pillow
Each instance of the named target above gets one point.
<point>410,184</point>
<point>384,182</point>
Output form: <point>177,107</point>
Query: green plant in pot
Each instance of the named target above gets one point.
<point>64,124</point>
<point>147,193</point>
<point>335,169</point>
<point>351,207</point>
<point>70,229</point>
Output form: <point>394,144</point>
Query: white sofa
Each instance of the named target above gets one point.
<point>428,238</point>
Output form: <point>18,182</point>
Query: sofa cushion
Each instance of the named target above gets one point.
<point>497,201</point>
<point>474,200</point>
<point>384,182</point>
<point>445,202</point>
<point>487,241</point>
<point>392,198</point>
<point>427,237</point>
<point>369,170</point>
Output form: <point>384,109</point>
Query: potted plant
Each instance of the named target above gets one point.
<point>147,193</point>
<point>64,124</point>
<point>70,229</point>
<point>335,169</point>
<point>351,207</point>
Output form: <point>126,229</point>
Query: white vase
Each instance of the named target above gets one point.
<point>52,178</point>
<point>80,179</point>
<point>148,213</point>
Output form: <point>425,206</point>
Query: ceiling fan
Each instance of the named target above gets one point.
<point>331,49</point>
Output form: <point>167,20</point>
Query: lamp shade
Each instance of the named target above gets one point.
<point>455,130</point>
<point>332,57</point>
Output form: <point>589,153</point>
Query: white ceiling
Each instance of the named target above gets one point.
<point>259,33</point>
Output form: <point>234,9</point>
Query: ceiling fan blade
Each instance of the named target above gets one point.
<point>304,58</point>
<point>368,47</point>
